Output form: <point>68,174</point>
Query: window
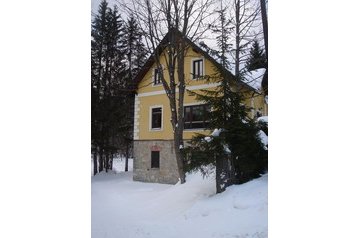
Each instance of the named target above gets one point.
<point>156,118</point>
<point>198,68</point>
<point>155,159</point>
<point>157,79</point>
<point>195,116</point>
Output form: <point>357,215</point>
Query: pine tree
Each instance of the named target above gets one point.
<point>257,57</point>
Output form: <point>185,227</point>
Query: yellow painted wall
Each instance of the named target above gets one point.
<point>166,133</point>
<point>256,101</point>
<point>146,87</point>
<point>259,103</point>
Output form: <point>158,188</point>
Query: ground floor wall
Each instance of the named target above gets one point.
<point>142,163</point>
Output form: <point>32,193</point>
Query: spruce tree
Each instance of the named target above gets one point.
<point>135,50</point>
<point>215,148</point>
<point>116,103</point>
<point>223,28</point>
<point>109,82</point>
<point>135,56</point>
<point>234,147</point>
<point>97,54</point>
<point>257,57</point>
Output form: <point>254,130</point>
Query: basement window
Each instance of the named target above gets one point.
<point>155,159</point>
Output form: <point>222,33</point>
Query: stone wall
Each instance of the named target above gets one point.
<point>167,171</point>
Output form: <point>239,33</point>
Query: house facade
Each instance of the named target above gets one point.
<point>154,155</point>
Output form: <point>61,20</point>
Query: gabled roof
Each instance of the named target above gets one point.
<point>254,78</point>
<point>162,46</point>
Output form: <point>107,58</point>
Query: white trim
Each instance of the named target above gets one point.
<point>194,103</point>
<point>136,118</point>
<point>203,86</point>
<point>192,69</point>
<point>196,87</point>
<point>150,118</point>
<point>195,129</point>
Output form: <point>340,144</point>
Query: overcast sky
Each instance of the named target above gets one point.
<point>95,4</point>
<point>209,38</point>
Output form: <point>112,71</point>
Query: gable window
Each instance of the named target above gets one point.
<point>156,117</point>
<point>195,117</point>
<point>198,70</point>
<point>157,79</point>
<point>155,159</point>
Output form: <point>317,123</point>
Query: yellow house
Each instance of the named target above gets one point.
<point>153,151</point>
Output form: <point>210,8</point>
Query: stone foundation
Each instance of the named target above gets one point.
<point>167,171</point>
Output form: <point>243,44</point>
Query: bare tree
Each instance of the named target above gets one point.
<point>264,24</point>
<point>174,21</point>
<point>247,28</point>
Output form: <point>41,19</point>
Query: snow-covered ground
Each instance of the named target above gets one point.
<point>124,208</point>
<point>118,165</point>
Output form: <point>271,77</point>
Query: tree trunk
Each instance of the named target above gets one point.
<point>223,173</point>
<point>100,169</point>
<point>179,127</point>
<point>106,161</point>
<point>219,169</point>
<point>264,82</point>
<point>237,50</point>
<point>264,24</point>
<point>111,162</point>
<point>95,162</point>
<point>231,170</point>
<point>179,157</point>
<point>127,155</point>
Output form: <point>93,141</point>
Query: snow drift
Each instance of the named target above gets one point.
<point>128,209</point>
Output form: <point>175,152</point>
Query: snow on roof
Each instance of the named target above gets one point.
<point>254,78</point>
<point>263,118</point>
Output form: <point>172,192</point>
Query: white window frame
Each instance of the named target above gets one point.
<point>192,67</point>
<point>150,118</point>
<point>153,77</point>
